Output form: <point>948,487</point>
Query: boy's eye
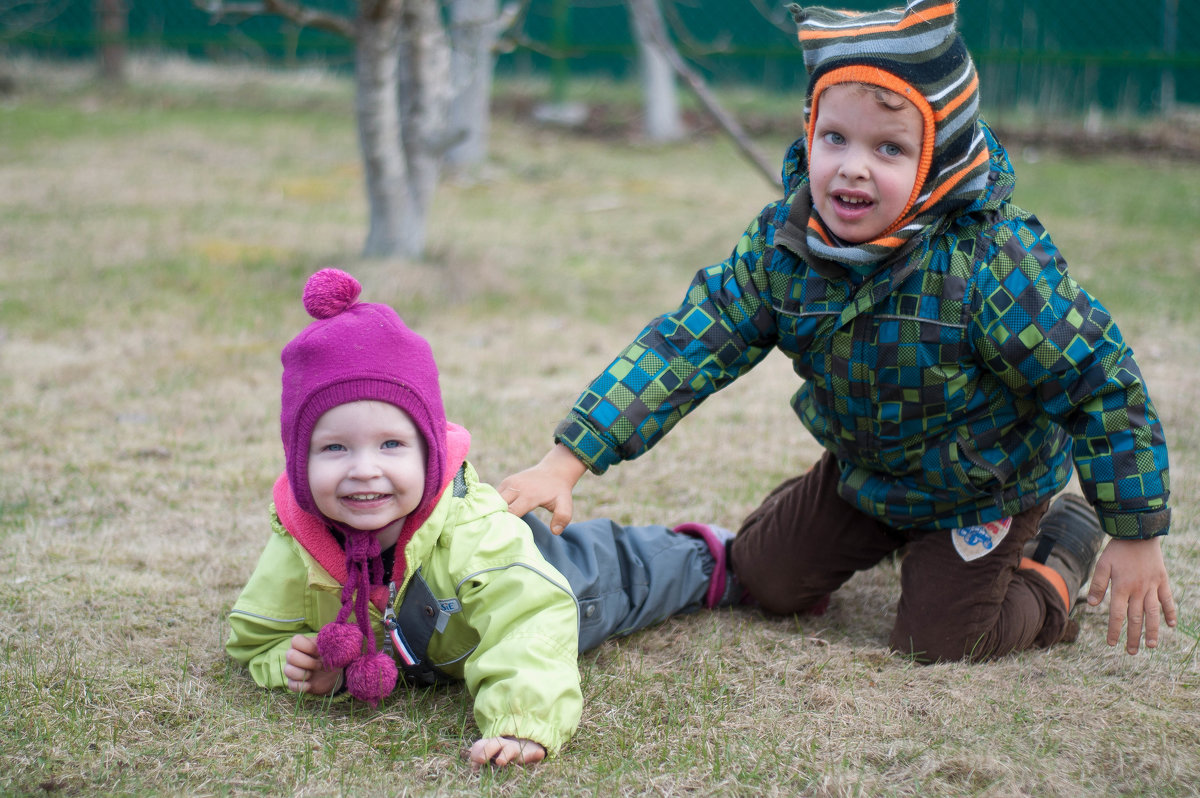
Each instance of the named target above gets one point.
<point>892,151</point>
<point>834,138</point>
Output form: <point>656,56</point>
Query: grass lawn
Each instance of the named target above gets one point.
<point>153,246</point>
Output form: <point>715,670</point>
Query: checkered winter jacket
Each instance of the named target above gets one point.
<point>955,385</point>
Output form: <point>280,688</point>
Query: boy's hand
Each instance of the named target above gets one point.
<point>502,751</point>
<point>304,670</point>
<point>547,484</point>
<point>1141,592</point>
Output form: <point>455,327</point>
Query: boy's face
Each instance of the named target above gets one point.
<point>366,466</point>
<point>863,162</point>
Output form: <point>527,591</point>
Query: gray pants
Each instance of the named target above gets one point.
<point>625,577</point>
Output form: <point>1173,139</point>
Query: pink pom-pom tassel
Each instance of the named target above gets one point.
<point>372,677</point>
<point>339,644</point>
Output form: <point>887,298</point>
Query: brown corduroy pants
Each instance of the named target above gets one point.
<point>804,541</point>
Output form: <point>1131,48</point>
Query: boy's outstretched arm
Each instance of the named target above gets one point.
<point>547,484</point>
<point>1141,591</point>
<point>502,751</point>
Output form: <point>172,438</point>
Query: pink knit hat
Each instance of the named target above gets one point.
<point>356,351</point>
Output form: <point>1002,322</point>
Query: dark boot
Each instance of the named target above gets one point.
<point>1068,541</point>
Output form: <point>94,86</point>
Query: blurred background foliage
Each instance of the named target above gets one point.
<point>1041,56</point>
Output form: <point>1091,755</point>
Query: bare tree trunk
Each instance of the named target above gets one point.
<point>425,94</point>
<point>660,99</point>
<point>403,93</point>
<point>112,21</point>
<point>377,108</point>
<point>473,31</point>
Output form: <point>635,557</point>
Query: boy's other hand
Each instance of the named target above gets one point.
<point>1141,591</point>
<point>503,751</point>
<point>547,484</point>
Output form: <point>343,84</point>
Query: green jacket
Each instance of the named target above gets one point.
<point>512,633</point>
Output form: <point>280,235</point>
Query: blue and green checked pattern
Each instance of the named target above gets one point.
<point>956,387</point>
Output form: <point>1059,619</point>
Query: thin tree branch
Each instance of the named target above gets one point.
<point>780,17</point>
<point>22,16</point>
<point>514,39</point>
<point>699,88</point>
<point>691,43</point>
<point>294,12</point>
<point>509,14</point>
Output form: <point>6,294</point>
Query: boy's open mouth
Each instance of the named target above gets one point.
<point>852,202</point>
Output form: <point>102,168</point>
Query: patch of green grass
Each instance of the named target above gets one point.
<point>1146,263</point>
<point>24,127</point>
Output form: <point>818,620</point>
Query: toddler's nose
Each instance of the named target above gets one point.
<point>364,466</point>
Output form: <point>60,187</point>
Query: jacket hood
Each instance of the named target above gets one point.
<point>1001,180</point>
<point>1002,177</point>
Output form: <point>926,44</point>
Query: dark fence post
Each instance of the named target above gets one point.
<point>559,67</point>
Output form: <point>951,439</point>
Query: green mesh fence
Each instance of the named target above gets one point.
<point>1043,55</point>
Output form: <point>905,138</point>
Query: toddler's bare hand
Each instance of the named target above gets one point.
<point>504,751</point>
<point>304,670</point>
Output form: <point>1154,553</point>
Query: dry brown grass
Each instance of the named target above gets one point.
<point>153,245</point>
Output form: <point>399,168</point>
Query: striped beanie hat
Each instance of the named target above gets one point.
<point>917,53</point>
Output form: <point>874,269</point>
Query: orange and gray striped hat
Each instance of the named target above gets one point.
<point>917,53</point>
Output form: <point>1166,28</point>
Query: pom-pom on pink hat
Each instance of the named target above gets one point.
<point>358,351</point>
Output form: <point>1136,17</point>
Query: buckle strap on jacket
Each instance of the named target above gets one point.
<point>410,628</point>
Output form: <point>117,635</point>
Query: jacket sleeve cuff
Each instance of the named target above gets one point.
<point>592,450</point>
<point>1135,526</point>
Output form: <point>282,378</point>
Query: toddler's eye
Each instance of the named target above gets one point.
<point>834,138</point>
<point>892,151</point>
<point>334,447</point>
<point>391,444</point>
